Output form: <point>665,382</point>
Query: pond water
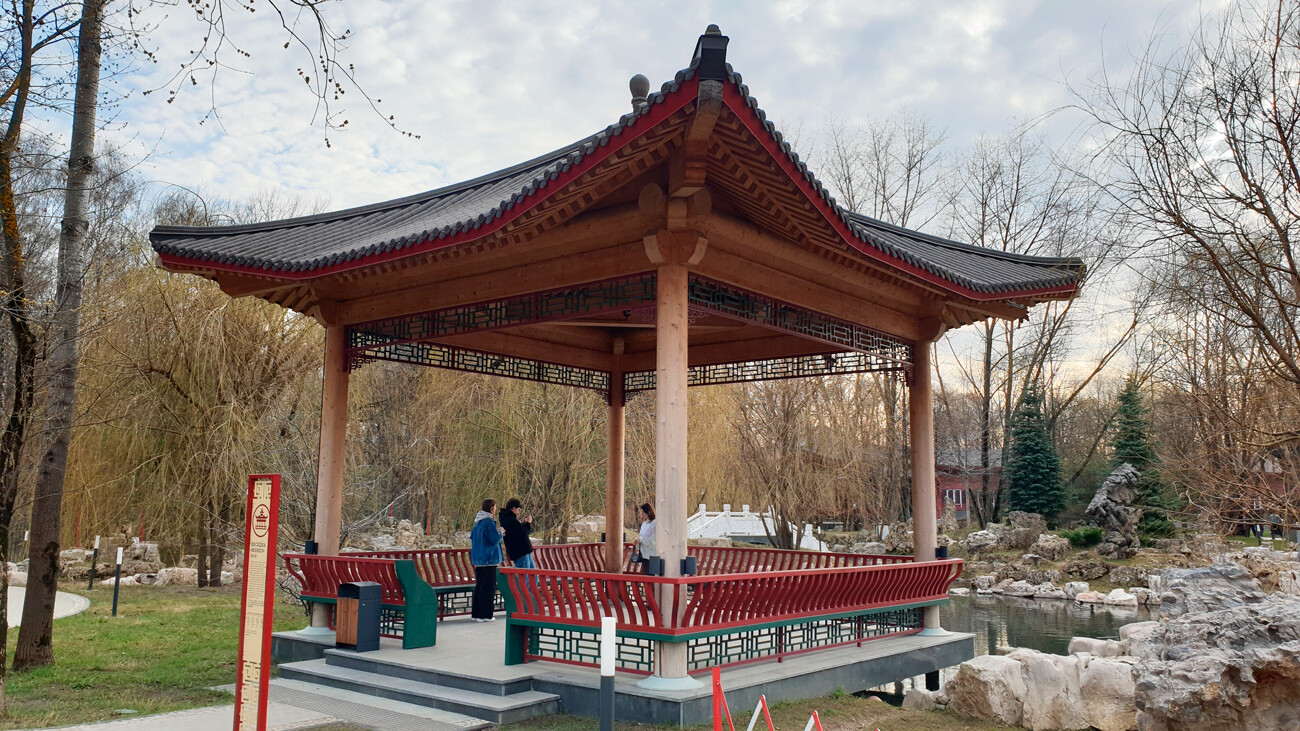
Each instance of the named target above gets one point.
<point>1039,624</point>
<point>1046,625</point>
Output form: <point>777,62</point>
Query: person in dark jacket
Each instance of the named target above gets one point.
<point>485,554</point>
<point>518,548</point>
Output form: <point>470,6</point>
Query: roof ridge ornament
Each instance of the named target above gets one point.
<point>710,57</point>
<point>639,85</point>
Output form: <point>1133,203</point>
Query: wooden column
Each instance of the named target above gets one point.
<point>614,466</point>
<point>670,444</point>
<point>333,430</point>
<point>924,509</point>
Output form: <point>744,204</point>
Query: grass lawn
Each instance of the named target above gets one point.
<point>164,649</point>
<point>837,713</point>
<point>1246,541</point>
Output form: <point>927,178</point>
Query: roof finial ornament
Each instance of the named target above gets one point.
<point>713,30</point>
<point>710,58</point>
<point>640,87</point>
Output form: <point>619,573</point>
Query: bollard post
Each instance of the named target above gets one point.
<point>608,645</point>
<point>93,558</point>
<point>117,579</point>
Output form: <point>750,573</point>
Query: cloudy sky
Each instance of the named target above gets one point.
<point>488,84</point>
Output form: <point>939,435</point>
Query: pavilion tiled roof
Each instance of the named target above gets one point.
<point>305,244</point>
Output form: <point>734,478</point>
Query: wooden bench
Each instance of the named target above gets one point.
<point>409,608</point>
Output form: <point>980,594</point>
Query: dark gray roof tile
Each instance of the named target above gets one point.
<point>313,242</point>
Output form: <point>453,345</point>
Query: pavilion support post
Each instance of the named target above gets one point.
<point>329,477</point>
<point>671,327</point>
<point>614,467</point>
<point>925,516</point>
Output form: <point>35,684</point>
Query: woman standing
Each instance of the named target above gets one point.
<point>485,554</point>
<point>645,539</point>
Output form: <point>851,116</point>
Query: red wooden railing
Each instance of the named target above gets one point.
<point>721,601</point>
<point>438,567</point>
<point>733,560</point>
<point>320,576</point>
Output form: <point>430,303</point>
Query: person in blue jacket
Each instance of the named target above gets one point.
<point>485,554</point>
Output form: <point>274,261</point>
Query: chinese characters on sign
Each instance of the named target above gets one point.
<point>262,516</point>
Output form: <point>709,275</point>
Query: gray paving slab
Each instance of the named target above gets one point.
<point>279,717</point>
<point>66,604</point>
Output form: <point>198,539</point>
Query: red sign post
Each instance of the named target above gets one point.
<point>254,668</point>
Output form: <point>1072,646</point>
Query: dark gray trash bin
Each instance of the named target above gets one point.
<point>356,617</point>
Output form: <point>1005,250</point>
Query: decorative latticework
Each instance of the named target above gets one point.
<point>756,644</point>
<point>550,306</point>
<point>744,305</point>
<point>583,648</point>
<point>474,361</point>
<point>405,339</point>
<point>829,364</point>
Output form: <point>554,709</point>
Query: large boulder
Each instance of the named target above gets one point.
<point>1236,667</point>
<point>1206,589</point>
<point>1121,598</point>
<point>870,548</point>
<point>1051,547</point>
<point>1112,509</point>
<point>1075,588</point>
<point>177,576</point>
<point>74,555</point>
<point>981,540</point>
<point>1086,569</point>
<point>1023,530</point>
<point>990,687</point>
<point>1128,576</point>
<point>1041,691</point>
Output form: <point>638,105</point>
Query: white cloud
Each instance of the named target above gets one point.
<point>488,84</point>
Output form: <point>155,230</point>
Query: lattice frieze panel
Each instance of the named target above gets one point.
<point>830,364</point>
<point>768,312</point>
<point>549,306</point>
<point>365,349</point>
<point>747,645</point>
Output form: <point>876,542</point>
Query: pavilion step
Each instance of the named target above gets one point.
<point>493,708</point>
<point>369,663</point>
<point>372,711</point>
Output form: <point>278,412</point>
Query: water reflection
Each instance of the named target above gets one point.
<point>1039,624</point>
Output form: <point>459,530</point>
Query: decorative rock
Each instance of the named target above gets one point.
<point>189,561</point>
<point>959,591</point>
<point>990,687</point>
<point>1221,586</point>
<point>981,540</point>
<point>1050,547</point>
<point>1121,598</point>
<point>1075,588</point>
<point>1050,576</point>
<point>1094,646</point>
<point>1106,686</point>
<point>1111,508</point>
<point>1235,666</point>
<point>1031,559</point>
<point>1049,591</point>
<point>920,699</point>
<point>1090,597</point>
<point>74,555</point>
<point>18,578</point>
<point>1128,575</point>
<point>1087,569</point>
<point>1001,586</point>
<point>177,576</point>
<point>382,542</point>
<point>1051,699</point>
<point>1288,582</point>
<point>1023,530</point>
<point>1138,631</point>
<point>985,582</point>
<point>130,581</point>
<point>1145,597</point>
<point>870,548</point>
<point>1019,588</point>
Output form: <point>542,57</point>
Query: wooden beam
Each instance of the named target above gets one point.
<point>615,261</point>
<point>764,348</point>
<point>688,167</point>
<point>747,273</point>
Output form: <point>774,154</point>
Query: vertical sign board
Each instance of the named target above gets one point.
<point>254,668</point>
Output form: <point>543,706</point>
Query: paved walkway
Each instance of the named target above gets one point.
<point>296,705</point>
<point>65,605</point>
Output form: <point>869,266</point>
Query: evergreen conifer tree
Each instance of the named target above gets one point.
<point>1131,444</point>
<point>1033,467</point>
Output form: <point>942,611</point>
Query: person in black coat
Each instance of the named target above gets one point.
<point>518,548</point>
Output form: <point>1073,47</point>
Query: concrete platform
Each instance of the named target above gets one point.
<point>465,673</point>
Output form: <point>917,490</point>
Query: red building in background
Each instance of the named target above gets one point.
<point>958,474</point>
